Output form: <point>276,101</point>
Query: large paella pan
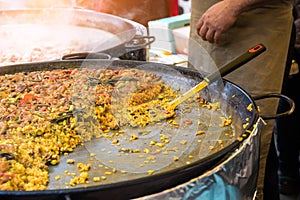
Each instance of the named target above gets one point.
<point>67,131</point>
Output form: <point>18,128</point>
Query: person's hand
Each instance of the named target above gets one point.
<point>216,20</point>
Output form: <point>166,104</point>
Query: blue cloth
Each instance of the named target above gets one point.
<point>213,188</point>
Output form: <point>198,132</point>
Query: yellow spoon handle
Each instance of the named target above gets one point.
<point>188,94</point>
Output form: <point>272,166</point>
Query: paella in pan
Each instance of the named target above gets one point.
<point>46,115</point>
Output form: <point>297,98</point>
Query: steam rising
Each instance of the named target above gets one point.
<point>26,37</point>
<point>48,34</point>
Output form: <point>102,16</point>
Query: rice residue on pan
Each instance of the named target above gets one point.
<point>47,114</point>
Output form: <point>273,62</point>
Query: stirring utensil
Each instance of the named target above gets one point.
<point>223,70</point>
<point>144,114</point>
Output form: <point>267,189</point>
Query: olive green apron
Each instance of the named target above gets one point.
<point>270,25</point>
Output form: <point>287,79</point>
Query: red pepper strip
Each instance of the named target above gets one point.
<point>5,177</point>
<point>52,78</point>
<point>165,111</point>
<point>202,101</point>
<point>28,98</point>
<point>188,121</point>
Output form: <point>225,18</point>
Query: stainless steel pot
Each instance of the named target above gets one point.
<point>49,34</point>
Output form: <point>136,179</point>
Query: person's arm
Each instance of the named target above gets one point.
<point>222,15</point>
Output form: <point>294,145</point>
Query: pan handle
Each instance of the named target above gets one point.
<point>139,42</point>
<point>85,55</point>
<point>281,97</point>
